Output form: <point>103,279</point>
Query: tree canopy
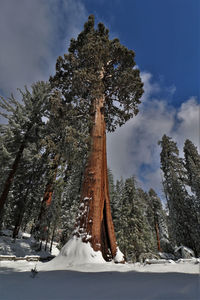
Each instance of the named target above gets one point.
<point>96,65</point>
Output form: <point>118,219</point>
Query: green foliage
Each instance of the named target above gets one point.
<point>192,165</point>
<point>25,119</point>
<point>70,199</point>
<point>183,220</point>
<point>27,188</point>
<point>98,67</point>
<point>134,233</point>
<point>25,123</point>
<point>157,218</point>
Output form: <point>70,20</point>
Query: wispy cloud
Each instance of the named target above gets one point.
<point>133,148</point>
<point>188,124</point>
<point>33,34</point>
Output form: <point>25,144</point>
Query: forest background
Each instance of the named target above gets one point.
<point>162,111</point>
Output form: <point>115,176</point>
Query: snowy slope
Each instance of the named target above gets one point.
<point>22,247</point>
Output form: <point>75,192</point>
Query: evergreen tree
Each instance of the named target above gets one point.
<point>111,186</point>
<point>179,201</point>
<point>24,123</point>
<point>158,221</point>
<point>99,78</point>
<point>71,197</point>
<point>26,191</point>
<point>23,185</point>
<point>116,205</point>
<point>192,165</point>
<point>64,142</point>
<point>133,230</point>
<point>6,151</point>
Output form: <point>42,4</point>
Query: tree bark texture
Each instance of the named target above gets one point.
<point>94,222</point>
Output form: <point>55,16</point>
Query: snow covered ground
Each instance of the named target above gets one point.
<point>108,281</point>
<point>22,246</point>
<point>62,279</point>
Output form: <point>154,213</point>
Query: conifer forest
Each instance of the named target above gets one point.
<point>54,179</point>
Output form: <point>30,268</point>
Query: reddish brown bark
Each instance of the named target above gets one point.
<point>47,198</point>
<point>158,237</point>
<point>94,222</point>
<point>10,177</point>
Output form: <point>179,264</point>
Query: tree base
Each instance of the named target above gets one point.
<point>77,252</point>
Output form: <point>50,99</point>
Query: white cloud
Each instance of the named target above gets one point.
<point>150,87</point>
<point>33,34</point>
<point>188,123</point>
<point>133,148</point>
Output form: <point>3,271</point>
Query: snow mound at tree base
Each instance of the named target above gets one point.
<point>76,252</point>
<point>119,257</point>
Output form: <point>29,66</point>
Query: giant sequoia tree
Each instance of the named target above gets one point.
<point>98,77</point>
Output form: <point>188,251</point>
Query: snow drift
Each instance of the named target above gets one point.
<point>76,252</point>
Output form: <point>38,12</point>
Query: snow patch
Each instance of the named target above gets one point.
<point>76,252</point>
<point>24,235</point>
<point>185,252</point>
<point>188,189</point>
<point>119,257</point>
<point>20,247</point>
<point>87,198</point>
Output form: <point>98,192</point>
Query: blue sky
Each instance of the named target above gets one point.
<point>165,37</point>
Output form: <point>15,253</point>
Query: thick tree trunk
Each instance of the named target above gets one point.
<point>94,223</point>
<point>10,178</point>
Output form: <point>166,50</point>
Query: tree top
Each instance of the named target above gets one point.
<point>96,66</point>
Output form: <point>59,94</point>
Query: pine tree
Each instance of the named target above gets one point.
<point>111,186</point>
<point>21,188</point>
<point>24,124</point>
<point>133,230</point>
<point>98,77</point>
<point>158,220</point>
<point>70,199</point>
<point>178,199</point>
<point>192,165</point>
<point>6,150</point>
<point>41,225</point>
<point>24,198</point>
<point>65,142</point>
<point>116,205</point>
